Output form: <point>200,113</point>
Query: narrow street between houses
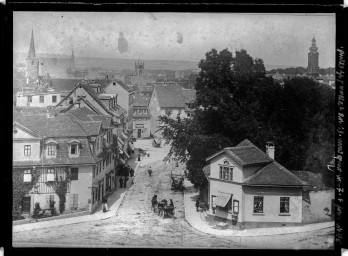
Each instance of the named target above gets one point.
<point>136,225</point>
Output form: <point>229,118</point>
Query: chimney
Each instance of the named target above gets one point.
<point>270,149</point>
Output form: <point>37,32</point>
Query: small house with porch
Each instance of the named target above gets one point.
<point>249,189</point>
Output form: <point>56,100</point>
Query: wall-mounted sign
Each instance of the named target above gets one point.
<point>139,125</point>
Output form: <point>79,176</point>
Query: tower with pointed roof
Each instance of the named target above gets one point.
<point>32,61</point>
<point>72,65</point>
<point>313,60</point>
<point>139,68</point>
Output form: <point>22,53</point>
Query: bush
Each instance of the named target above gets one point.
<point>36,211</point>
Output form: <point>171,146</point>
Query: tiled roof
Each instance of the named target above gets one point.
<point>82,113</point>
<point>59,126</point>
<point>244,143</point>
<point>92,128</point>
<point>62,157</point>
<point>248,155</point>
<point>141,101</point>
<point>170,96</point>
<point>106,120</point>
<point>124,86</point>
<point>314,180</point>
<point>189,95</point>
<point>274,174</point>
<point>64,84</point>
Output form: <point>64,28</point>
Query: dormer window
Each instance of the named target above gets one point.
<point>74,148</point>
<point>51,147</point>
<point>226,172</point>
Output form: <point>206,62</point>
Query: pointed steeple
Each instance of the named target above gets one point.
<point>31,53</point>
<point>72,52</point>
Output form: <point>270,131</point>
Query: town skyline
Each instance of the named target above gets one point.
<point>146,39</point>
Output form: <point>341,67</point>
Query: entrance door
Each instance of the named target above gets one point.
<point>139,133</point>
<point>26,204</point>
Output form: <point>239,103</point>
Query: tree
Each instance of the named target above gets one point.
<point>237,101</point>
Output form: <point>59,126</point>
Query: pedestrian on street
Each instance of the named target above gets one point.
<point>171,204</point>
<point>197,205</point>
<point>105,204</point>
<point>149,171</point>
<point>121,182</point>
<point>125,181</point>
<point>132,172</point>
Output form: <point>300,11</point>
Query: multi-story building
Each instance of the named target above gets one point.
<point>48,148</point>
<point>141,117</point>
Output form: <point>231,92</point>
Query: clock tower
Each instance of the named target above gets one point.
<point>313,60</point>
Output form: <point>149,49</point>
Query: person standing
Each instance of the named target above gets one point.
<point>121,182</point>
<point>125,182</point>
<point>105,204</point>
<point>149,171</point>
<point>197,205</point>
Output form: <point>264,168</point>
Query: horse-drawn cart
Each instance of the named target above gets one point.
<point>157,143</point>
<point>177,182</point>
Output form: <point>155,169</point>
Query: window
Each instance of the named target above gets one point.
<point>235,206</point>
<point>73,149</point>
<point>74,173</point>
<point>258,204</point>
<point>144,111</point>
<point>284,204</point>
<point>213,201</point>
<point>30,99</point>
<point>51,150</point>
<point>42,99</point>
<point>168,112</point>
<point>94,169</point>
<point>74,203</point>
<point>50,174</point>
<point>54,98</point>
<point>27,176</point>
<point>27,150</point>
<point>226,173</point>
<point>103,163</point>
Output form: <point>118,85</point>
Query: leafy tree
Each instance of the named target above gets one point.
<point>237,101</point>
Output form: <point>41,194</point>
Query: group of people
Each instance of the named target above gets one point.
<point>127,171</point>
<point>154,202</point>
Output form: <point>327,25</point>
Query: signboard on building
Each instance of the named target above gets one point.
<point>139,125</point>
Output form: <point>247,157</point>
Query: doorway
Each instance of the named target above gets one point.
<point>26,204</point>
<point>139,133</point>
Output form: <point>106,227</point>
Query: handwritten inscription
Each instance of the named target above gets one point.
<point>340,138</point>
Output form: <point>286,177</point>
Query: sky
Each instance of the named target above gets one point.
<point>278,39</point>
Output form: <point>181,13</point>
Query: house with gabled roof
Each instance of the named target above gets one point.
<point>248,188</point>
<point>53,147</point>
<point>170,99</point>
<point>141,117</point>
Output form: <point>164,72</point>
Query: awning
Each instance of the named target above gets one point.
<point>131,145</point>
<point>124,135</point>
<point>120,149</point>
<point>222,199</point>
<point>120,141</point>
<point>119,145</point>
<point>125,153</point>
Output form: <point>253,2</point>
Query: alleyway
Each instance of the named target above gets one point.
<point>135,225</point>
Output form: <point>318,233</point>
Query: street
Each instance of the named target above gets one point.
<point>135,225</point>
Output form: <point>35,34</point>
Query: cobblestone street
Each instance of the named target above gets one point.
<point>135,225</point>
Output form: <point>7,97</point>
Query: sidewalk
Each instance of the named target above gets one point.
<point>114,202</point>
<point>199,221</point>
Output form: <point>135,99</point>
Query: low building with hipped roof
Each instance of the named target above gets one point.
<point>48,148</point>
<point>248,188</point>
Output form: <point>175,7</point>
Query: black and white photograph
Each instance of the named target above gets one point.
<point>204,130</point>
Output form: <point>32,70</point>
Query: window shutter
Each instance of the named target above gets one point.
<point>71,200</point>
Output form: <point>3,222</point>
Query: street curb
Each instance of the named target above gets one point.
<point>254,232</point>
<point>88,219</point>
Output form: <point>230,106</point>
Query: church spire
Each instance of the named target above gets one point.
<point>72,53</point>
<point>31,53</point>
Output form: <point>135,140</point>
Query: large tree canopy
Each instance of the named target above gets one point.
<point>237,101</point>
